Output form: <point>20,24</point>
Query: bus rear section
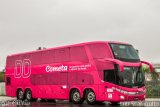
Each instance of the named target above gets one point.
<point>93,71</point>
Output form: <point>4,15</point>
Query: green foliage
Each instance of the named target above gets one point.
<point>153,89</point>
<point>2,76</point>
<point>154,74</point>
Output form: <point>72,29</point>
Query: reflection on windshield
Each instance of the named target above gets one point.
<point>124,52</point>
<point>131,76</point>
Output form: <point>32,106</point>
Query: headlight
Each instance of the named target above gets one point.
<point>122,97</point>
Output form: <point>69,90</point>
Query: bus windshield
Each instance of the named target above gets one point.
<point>131,77</point>
<point>124,52</point>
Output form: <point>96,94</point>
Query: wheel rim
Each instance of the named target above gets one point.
<point>91,97</point>
<point>76,96</point>
<point>20,94</point>
<point>28,96</point>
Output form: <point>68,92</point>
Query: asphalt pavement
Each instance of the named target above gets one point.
<point>8,101</point>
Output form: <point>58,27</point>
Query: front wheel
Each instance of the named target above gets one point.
<point>90,97</point>
<point>76,97</point>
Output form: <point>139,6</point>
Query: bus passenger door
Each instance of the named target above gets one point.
<point>64,89</point>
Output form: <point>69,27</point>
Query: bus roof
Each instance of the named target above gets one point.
<point>79,44</point>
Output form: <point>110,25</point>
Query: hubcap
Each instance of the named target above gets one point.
<point>28,95</point>
<point>76,96</point>
<point>91,97</point>
<point>20,95</point>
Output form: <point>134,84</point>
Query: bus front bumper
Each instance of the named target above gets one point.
<point>118,97</point>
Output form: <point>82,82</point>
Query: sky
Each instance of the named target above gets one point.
<point>27,24</point>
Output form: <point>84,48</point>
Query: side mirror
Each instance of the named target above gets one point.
<point>149,64</point>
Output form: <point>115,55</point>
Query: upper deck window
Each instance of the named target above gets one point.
<point>99,50</point>
<point>62,55</point>
<point>124,52</point>
<point>78,53</point>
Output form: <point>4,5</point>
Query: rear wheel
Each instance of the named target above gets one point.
<point>90,97</point>
<point>76,97</point>
<point>20,95</point>
<point>28,95</point>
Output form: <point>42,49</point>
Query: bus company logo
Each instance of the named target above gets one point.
<point>22,68</point>
<point>58,68</point>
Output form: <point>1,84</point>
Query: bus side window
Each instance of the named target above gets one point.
<point>100,50</point>
<point>62,55</point>
<point>36,58</point>
<point>48,56</point>
<point>109,76</point>
<point>78,53</point>
<point>11,61</point>
<point>8,80</point>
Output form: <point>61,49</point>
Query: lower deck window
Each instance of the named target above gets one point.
<point>109,76</point>
<point>8,81</point>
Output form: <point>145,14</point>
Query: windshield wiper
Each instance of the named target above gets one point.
<point>127,85</point>
<point>139,84</point>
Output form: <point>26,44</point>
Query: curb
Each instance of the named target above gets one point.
<point>5,98</point>
<point>152,99</point>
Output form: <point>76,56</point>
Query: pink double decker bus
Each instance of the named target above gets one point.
<point>93,71</point>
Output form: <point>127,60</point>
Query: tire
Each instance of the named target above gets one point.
<point>76,97</point>
<point>20,94</point>
<point>90,97</point>
<point>28,95</point>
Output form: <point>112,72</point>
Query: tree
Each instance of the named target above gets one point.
<point>152,87</point>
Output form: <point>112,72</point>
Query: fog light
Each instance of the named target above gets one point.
<point>122,97</point>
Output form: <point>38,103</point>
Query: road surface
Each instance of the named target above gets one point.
<point>13,103</point>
